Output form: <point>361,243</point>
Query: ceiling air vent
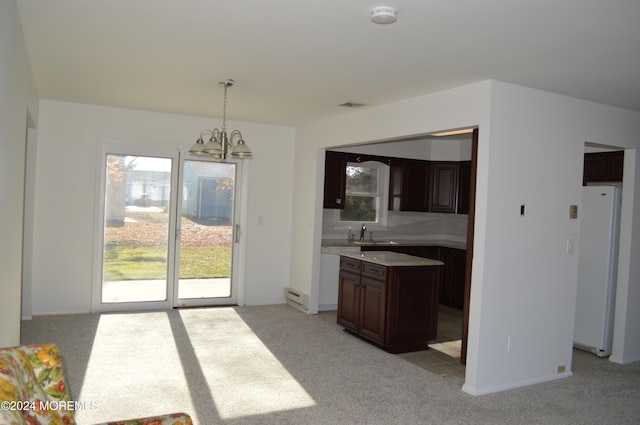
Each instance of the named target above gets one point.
<point>349,104</point>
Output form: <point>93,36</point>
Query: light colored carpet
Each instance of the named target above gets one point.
<point>275,365</point>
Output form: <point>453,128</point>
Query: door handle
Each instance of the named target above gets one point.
<point>238,233</point>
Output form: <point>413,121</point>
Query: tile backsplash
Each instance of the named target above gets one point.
<point>404,225</point>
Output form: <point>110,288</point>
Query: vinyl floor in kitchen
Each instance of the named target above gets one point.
<point>443,355</point>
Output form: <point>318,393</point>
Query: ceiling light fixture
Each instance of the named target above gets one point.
<point>384,15</point>
<point>219,143</point>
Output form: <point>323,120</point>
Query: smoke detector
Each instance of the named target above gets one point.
<point>384,15</point>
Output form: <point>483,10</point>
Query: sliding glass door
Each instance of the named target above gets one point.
<point>168,231</point>
<point>206,229</point>
<point>135,257</point>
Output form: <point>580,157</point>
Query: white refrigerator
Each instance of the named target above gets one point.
<point>597,269</point>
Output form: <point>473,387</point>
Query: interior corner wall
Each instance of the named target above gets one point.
<point>525,317</point>
<point>626,335</point>
<point>65,197</point>
<point>18,98</point>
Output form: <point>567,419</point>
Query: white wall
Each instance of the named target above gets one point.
<point>65,199</point>
<point>529,281</point>
<point>529,152</point>
<point>17,101</point>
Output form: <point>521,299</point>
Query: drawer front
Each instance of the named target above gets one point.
<point>350,264</point>
<point>374,271</point>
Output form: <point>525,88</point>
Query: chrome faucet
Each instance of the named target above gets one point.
<point>362,230</point>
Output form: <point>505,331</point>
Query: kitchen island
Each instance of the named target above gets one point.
<point>389,299</point>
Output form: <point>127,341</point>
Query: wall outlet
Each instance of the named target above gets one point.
<point>561,369</point>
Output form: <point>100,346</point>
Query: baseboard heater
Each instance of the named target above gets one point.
<point>296,298</point>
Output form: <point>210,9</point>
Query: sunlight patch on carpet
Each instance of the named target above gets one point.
<point>127,374</point>
<point>244,377</point>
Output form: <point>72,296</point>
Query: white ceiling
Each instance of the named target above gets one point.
<point>295,60</point>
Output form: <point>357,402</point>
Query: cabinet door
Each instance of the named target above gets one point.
<point>452,283</point>
<point>444,187</point>
<point>595,167</point>
<point>615,166</point>
<point>372,309</point>
<point>457,277</point>
<point>413,306</point>
<point>464,187</point>
<point>395,184</point>
<point>348,300</point>
<point>415,185</point>
<point>335,169</point>
<point>603,167</point>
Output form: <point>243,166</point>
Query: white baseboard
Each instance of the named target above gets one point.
<point>482,391</point>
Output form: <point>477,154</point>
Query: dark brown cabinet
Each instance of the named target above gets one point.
<point>450,277</point>
<point>395,184</point>
<point>427,186</point>
<point>615,165</point>
<point>603,167</point>
<point>395,308</point>
<point>444,187</point>
<point>464,187</point>
<point>335,170</point>
<point>415,185</point>
<point>452,283</point>
<point>362,300</point>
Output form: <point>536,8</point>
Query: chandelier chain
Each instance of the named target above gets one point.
<point>224,111</point>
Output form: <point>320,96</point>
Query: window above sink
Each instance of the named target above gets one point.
<point>366,195</point>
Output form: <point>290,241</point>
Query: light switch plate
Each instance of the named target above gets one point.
<point>573,211</point>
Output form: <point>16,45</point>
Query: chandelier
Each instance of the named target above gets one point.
<point>219,144</point>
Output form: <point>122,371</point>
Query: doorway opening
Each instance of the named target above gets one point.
<point>413,222</point>
<point>600,215</point>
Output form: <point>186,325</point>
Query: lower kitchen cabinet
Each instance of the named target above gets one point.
<point>452,283</point>
<point>450,277</point>
<point>395,308</point>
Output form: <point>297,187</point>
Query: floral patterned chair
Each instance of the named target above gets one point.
<point>33,390</point>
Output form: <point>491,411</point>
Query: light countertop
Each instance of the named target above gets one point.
<point>391,259</point>
<point>343,243</point>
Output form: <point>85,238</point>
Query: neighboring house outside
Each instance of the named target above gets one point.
<point>207,192</point>
<point>147,188</point>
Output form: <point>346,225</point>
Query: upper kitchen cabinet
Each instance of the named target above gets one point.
<point>444,187</point>
<point>464,187</point>
<point>395,184</point>
<point>603,166</point>
<point>335,170</point>
<point>415,185</point>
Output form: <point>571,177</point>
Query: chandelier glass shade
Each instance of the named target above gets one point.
<point>220,145</point>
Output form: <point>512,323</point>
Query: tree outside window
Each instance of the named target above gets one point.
<point>362,203</point>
